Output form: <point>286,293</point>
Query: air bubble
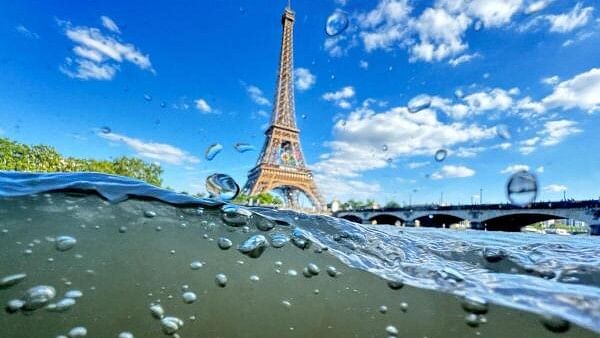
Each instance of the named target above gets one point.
<point>189,297</point>
<point>336,23</point>
<point>418,103</point>
<point>440,155</point>
<point>105,130</point>
<point>522,188</point>
<point>38,296</point>
<point>147,97</point>
<point>221,280</point>
<point>157,311</point>
<point>222,186</point>
<point>254,246</point>
<point>243,147</point>
<point>224,243</point>
<point>170,325</point>
<point>212,151</point>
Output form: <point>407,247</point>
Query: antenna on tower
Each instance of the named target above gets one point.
<point>289,6</point>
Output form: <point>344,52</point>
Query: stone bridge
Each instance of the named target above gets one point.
<point>494,217</point>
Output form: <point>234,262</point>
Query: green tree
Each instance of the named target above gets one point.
<point>15,156</point>
<point>392,205</point>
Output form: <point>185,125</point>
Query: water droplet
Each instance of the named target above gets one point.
<point>503,131</point>
<point>555,323</point>
<point>149,213</point>
<point>224,243</point>
<point>254,278</point>
<point>147,97</point>
<point>279,240</point>
<point>292,272</point>
<point>254,246</point>
<point>286,303</point>
<point>418,103</point>
<point>79,331</point>
<point>222,186</point>
<point>243,147</point>
<point>170,325</point>
<point>478,25</point>
<point>105,130</point>
<point>38,296</point>
<point>472,320</point>
<point>332,271</point>
<point>395,284</point>
<point>61,306</point>
<point>125,335</point>
<point>313,269</point>
<point>11,280</point>
<point>212,151</point>
<point>522,188</point>
<point>303,116</point>
<point>123,229</point>
<point>157,311</point>
<point>235,215</point>
<point>221,280</point>
<point>384,147</point>
<point>73,294</point>
<point>383,309</point>
<point>163,104</point>
<point>64,243</point>
<point>299,240</point>
<point>403,306</point>
<point>189,297</point>
<point>474,304</point>
<point>440,155</point>
<point>391,330</point>
<point>336,23</point>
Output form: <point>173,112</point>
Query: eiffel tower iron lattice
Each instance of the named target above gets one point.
<point>281,162</point>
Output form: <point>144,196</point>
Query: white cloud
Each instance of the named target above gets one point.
<point>332,186</point>
<point>537,6</point>
<point>463,59</point>
<point>494,13</point>
<point>453,171</point>
<point>26,32</point>
<point>567,22</point>
<point>551,80</point>
<point>405,134</point>
<point>363,64</point>
<point>552,134</point>
<point>469,151</point>
<point>540,169</point>
<point>109,24</point>
<point>341,97</point>
<point>555,132</point>
<point>511,169</point>
<point>555,188</point>
<point>98,55</point>
<point>257,95</point>
<point>304,79</point>
<point>160,152</point>
<point>579,92</point>
<point>415,165</point>
<point>440,35</point>
<point>203,106</point>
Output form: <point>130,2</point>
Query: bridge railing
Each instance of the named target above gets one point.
<point>569,204</point>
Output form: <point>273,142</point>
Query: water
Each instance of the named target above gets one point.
<point>326,277</point>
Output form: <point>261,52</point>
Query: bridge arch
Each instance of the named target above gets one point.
<point>352,218</point>
<point>387,219</point>
<point>514,222</point>
<point>438,220</point>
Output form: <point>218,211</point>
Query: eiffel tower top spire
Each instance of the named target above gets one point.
<point>284,114</point>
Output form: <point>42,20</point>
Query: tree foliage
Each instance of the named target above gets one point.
<point>16,156</point>
<point>262,198</point>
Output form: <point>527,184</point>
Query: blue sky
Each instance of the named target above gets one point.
<point>172,78</point>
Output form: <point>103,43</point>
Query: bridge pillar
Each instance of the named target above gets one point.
<point>477,225</point>
<point>595,229</point>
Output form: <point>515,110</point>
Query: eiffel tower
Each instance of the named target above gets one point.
<point>281,165</point>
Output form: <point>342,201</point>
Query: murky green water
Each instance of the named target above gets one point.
<point>126,259</point>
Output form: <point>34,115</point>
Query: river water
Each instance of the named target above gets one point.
<point>105,256</point>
